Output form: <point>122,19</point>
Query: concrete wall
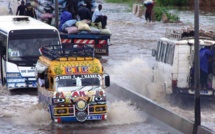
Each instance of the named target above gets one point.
<point>172,119</point>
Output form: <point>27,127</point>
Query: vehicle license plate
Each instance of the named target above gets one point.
<point>95,117</point>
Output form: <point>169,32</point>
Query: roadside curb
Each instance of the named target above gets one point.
<point>155,110</point>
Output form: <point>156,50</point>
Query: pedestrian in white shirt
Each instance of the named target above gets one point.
<point>41,80</point>
<point>98,17</point>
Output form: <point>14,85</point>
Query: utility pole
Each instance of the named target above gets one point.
<point>197,111</point>
<point>56,14</point>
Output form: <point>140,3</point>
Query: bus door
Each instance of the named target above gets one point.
<point>2,55</point>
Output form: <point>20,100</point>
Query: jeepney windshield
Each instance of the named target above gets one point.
<point>25,44</point>
<point>68,81</point>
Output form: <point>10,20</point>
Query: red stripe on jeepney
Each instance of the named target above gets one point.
<point>102,41</point>
<point>65,40</point>
<point>82,41</point>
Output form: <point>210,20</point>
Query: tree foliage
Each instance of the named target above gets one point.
<point>158,11</point>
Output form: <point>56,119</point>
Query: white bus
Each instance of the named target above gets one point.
<point>20,39</point>
<point>175,62</point>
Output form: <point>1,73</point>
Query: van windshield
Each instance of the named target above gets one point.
<point>24,44</point>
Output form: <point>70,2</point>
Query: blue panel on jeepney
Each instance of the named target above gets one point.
<point>74,119</point>
<point>68,119</point>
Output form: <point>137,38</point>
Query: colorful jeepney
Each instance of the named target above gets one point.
<point>74,83</point>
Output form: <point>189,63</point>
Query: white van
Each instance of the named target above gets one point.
<point>174,62</point>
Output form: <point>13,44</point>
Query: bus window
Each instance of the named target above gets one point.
<point>22,44</point>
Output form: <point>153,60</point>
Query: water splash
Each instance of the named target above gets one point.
<point>34,115</point>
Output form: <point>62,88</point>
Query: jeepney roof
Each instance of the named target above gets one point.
<point>65,66</point>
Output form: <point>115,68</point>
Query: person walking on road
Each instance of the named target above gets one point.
<point>30,11</point>
<point>21,9</point>
<point>205,55</point>
<point>149,4</point>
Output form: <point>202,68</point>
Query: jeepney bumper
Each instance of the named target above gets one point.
<point>61,119</point>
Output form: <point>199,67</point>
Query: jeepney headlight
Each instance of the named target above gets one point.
<point>61,111</point>
<point>100,108</point>
<point>59,100</point>
<point>81,105</point>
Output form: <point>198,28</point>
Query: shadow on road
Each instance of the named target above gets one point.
<point>187,102</point>
<point>29,91</point>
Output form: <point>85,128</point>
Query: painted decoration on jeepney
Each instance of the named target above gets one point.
<point>93,97</point>
<point>77,67</point>
<point>95,68</point>
<point>78,94</point>
<point>58,70</point>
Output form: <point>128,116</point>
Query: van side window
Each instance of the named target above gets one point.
<point>165,52</point>
<point>162,51</point>
<point>158,50</point>
<point>170,54</point>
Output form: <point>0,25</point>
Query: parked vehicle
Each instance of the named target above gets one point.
<point>20,39</point>
<point>174,67</point>
<point>74,83</point>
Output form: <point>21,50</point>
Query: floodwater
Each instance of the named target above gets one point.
<point>129,65</point>
<point>130,62</point>
<point>22,114</point>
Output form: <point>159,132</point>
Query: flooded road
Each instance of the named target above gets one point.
<point>22,114</point>
<point>129,65</point>
<point>130,62</point>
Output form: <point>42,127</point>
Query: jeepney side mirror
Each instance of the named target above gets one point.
<point>154,52</point>
<point>106,80</point>
<point>46,82</point>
